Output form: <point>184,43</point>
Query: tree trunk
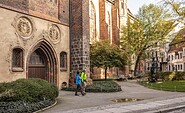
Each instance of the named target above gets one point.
<point>137,62</point>
<point>105,73</point>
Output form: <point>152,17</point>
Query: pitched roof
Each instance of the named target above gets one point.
<point>180,37</point>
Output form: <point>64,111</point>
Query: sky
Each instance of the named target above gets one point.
<point>134,5</point>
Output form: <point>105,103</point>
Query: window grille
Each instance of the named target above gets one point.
<point>63,61</point>
<point>17,59</point>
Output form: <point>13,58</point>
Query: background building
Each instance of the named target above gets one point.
<point>106,20</point>
<point>176,53</point>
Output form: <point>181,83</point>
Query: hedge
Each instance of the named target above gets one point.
<point>168,76</point>
<point>100,86</point>
<point>26,95</point>
<point>28,90</point>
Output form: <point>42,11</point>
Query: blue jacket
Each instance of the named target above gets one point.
<point>78,79</point>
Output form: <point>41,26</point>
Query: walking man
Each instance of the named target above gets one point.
<point>84,81</point>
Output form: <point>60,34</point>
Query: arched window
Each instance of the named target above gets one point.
<point>63,61</point>
<point>92,22</point>
<point>17,59</point>
<point>109,26</point>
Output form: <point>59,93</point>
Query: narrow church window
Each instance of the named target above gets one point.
<point>17,59</point>
<point>63,61</point>
<point>92,23</point>
<point>109,26</point>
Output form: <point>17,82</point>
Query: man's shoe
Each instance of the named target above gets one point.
<point>76,95</point>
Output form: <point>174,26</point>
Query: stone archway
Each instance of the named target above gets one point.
<point>42,63</point>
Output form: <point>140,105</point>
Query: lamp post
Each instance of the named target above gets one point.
<point>154,69</point>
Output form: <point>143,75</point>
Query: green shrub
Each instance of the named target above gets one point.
<point>164,75</point>
<point>99,86</point>
<point>28,90</point>
<point>168,76</point>
<point>179,76</point>
<point>104,86</point>
<point>24,107</point>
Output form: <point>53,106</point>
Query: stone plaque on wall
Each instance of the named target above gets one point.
<point>24,27</point>
<point>54,33</point>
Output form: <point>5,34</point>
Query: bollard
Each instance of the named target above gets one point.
<point>175,88</point>
<point>161,87</point>
<point>101,86</point>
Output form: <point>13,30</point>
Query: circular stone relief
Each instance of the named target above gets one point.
<point>24,27</point>
<point>54,33</point>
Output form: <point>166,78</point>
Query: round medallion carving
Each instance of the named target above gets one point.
<point>24,27</point>
<point>54,33</point>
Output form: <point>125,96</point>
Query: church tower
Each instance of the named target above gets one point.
<point>79,36</point>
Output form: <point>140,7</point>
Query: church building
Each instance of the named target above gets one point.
<point>49,39</point>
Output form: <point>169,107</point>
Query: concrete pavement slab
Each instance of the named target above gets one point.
<point>116,110</point>
<point>101,102</point>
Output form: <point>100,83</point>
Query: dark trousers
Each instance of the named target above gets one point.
<point>78,88</point>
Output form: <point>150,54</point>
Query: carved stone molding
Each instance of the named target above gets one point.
<point>54,33</point>
<point>24,26</point>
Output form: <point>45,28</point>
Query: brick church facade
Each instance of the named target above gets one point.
<point>50,39</point>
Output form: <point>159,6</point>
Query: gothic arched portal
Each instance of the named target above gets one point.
<point>42,63</point>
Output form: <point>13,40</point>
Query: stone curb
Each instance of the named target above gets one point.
<point>166,110</point>
<point>46,107</point>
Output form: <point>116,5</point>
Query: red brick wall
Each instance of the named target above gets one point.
<point>115,27</point>
<point>44,9</point>
<point>57,10</point>
<point>64,11</point>
<point>16,4</point>
<point>103,24</point>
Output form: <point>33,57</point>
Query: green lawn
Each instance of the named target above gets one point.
<point>178,86</point>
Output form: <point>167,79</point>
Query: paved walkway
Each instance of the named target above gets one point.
<point>154,101</point>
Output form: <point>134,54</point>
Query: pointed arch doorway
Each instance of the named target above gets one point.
<point>42,63</point>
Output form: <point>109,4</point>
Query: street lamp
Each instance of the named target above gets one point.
<point>154,68</point>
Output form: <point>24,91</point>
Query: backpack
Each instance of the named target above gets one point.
<point>75,80</point>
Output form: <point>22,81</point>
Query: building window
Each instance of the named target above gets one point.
<point>17,59</point>
<point>169,68</point>
<point>63,61</point>
<point>109,26</point>
<point>183,51</point>
<point>180,55</point>
<point>92,23</point>
<point>172,57</point>
<point>36,59</point>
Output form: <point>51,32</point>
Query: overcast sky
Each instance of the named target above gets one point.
<point>134,5</point>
